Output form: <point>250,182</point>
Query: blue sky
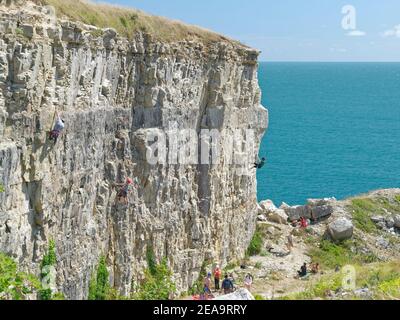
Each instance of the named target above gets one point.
<point>293,30</point>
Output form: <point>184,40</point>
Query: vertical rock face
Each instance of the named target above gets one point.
<point>112,92</point>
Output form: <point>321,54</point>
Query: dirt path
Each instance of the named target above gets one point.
<point>275,271</point>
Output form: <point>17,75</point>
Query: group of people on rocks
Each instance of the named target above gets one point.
<point>302,222</point>
<point>226,285</point>
<point>314,268</point>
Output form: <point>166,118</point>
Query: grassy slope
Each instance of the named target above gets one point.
<point>364,208</point>
<point>128,21</point>
<point>381,277</point>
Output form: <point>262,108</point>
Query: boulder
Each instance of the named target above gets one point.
<point>284,206</point>
<point>267,206</point>
<point>377,219</point>
<point>381,225</point>
<point>315,209</point>
<point>396,219</point>
<point>321,202</point>
<point>341,229</point>
<point>363,293</point>
<point>321,211</point>
<point>278,216</point>
<point>383,243</point>
<point>241,294</point>
<point>389,222</point>
<point>296,212</point>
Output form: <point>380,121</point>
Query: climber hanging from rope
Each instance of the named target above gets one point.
<point>260,163</point>
<point>58,128</point>
<point>122,195</point>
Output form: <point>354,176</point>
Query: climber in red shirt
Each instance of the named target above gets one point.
<point>123,192</point>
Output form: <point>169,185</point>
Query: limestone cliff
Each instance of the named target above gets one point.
<point>111,91</point>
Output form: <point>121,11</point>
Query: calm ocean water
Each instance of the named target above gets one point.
<point>334,130</point>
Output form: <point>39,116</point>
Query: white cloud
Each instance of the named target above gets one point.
<point>395,32</point>
<point>356,33</point>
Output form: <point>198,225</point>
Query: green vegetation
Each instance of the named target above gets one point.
<point>364,208</point>
<point>48,262</point>
<point>329,255</point>
<point>198,285</point>
<point>1,188</point>
<point>230,266</point>
<point>259,297</point>
<point>99,287</point>
<point>258,265</point>
<point>320,289</point>
<point>157,284</point>
<point>19,31</point>
<point>264,253</point>
<point>382,279</point>
<point>151,259</point>
<point>97,33</point>
<point>362,211</point>
<point>50,258</point>
<point>256,243</point>
<point>129,21</point>
<point>13,283</point>
<point>17,285</point>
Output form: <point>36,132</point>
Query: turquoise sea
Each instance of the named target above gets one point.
<point>334,130</point>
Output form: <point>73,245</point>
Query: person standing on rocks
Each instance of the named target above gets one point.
<point>289,243</point>
<point>227,285</point>
<point>217,277</point>
<point>248,281</point>
<point>58,128</point>
<point>207,284</point>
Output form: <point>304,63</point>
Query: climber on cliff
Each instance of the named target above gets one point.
<point>122,195</point>
<point>260,163</point>
<point>58,128</point>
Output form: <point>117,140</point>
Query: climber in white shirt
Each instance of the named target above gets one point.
<point>58,128</point>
